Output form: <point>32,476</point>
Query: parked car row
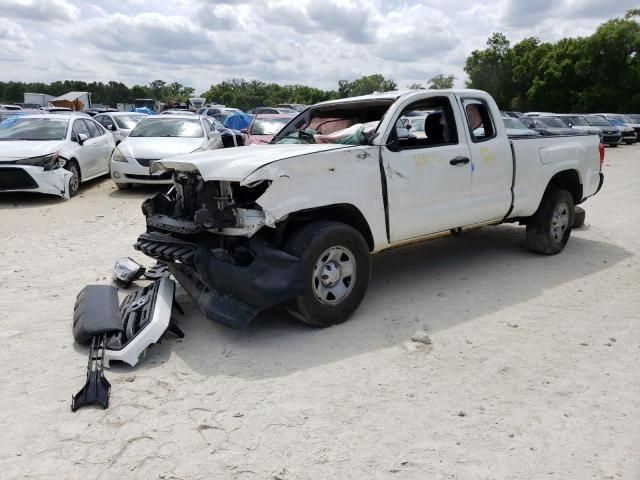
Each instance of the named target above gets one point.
<point>53,153</point>
<point>613,129</point>
<point>54,150</point>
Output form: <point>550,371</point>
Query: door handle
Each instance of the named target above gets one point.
<point>459,161</point>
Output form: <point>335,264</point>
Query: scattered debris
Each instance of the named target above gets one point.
<point>512,325</point>
<point>421,336</point>
<point>126,270</point>
<point>462,413</point>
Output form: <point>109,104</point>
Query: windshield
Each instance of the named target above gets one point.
<point>598,122</point>
<point>617,122</point>
<point>168,127</point>
<point>634,118</point>
<point>128,121</point>
<point>510,122</point>
<point>551,122</point>
<point>578,121</point>
<point>267,126</point>
<point>37,129</point>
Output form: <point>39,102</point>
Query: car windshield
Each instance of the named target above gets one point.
<point>510,122</point>
<point>267,126</point>
<point>634,118</point>
<point>128,121</point>
<point>617,122</point>
<point>551,122</point>
<point>168,127</point>
<point>598,122</point>
<point>37,129</point>
<point>578,121</point>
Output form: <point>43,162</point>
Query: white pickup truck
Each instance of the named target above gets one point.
<point>294,222</point>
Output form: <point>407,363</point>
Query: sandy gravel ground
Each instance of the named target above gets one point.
<point>533,371</point>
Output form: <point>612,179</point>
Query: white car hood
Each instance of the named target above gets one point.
<point>234,164</point>
<point>16,149</point>
<point>154,147</point>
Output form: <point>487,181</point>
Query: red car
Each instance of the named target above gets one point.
<point>263,127</point>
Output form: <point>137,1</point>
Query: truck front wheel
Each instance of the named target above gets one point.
<point>549,228</point>
<point>336,267</point>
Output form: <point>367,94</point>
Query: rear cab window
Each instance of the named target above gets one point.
<point>479,119</point>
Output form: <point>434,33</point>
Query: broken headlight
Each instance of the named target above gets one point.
<point>45,161</point>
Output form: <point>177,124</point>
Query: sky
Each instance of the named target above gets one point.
<point>310,42</point>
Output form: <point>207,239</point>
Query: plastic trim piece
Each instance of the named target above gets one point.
<point>151,333</point>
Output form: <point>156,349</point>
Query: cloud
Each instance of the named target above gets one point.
<point>14,43</point>
<point>39,10</point>
<point>525,13</point>
<point>311,42</point>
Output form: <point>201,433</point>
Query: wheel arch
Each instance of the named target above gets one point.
<point>568,180</point>
<point>340,212</point>
<point>75,160</point>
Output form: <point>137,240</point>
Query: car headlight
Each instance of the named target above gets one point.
<point>45,161</point>
<point>118,156</point>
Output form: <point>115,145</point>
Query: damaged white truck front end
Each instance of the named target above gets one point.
<point>222,227</point>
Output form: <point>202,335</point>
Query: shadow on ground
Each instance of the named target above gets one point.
<point>437,284</point>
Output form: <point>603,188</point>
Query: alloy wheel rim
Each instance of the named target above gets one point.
<point>334,275</point>
<point>559,222</point>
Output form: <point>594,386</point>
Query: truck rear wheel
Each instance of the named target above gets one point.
<point>336,267</point>
<point>548,230</point>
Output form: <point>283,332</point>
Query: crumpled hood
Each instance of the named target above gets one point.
<point>154,147</point>
<point>17,149</point>
<point>234,164</point>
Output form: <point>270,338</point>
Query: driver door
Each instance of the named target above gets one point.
<point>428,172</point>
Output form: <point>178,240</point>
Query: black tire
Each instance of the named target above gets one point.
<point>550,227</point>
<point>613,145</point>
<point>578,217</point>
<point>74,182</point>
<point>317,243</point>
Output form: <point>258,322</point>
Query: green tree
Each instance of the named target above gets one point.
<point>441,82</point>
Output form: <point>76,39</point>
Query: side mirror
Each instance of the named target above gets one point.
<point>244,130</point>
<point>110,127</point>
<point>82,137</point>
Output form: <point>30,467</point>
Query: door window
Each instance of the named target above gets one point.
<point>78,128</point>
<point>425,123</point>
<point>479,120</point>
<point>93,128</point>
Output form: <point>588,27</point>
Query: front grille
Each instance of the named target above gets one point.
<point>163,176</point>
<point>166,248</point>
<point>145,162</point>
<point>16,178</point>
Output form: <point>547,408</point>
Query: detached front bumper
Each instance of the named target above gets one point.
<point>29,178</point>
<point>226,292</point>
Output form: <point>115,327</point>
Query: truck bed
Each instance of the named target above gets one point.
<point>554,154</point>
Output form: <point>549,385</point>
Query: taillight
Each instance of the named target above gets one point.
<point>601,149</point>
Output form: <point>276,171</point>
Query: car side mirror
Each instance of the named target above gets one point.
<point>110,127</point>
<point>244,130</point>
<point>82,137</point>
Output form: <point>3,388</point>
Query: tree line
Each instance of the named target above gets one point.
<point>600,72</point>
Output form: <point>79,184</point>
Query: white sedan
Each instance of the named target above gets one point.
<point>52,153</point>
<point>158,137</point>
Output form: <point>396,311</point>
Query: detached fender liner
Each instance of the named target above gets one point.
<point>227,293</point>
